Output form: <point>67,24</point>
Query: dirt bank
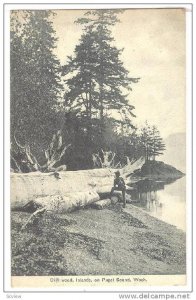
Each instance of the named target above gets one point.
<point>96,242</point>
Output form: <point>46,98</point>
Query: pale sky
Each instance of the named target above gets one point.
<point>154,49</point>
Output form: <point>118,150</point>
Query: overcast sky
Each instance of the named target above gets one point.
<point>154,49</point>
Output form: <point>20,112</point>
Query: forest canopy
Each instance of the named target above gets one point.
<point>65,114</point>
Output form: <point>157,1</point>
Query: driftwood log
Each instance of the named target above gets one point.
<point>65,190</point>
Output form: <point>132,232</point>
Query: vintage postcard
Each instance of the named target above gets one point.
<point>98,131</point>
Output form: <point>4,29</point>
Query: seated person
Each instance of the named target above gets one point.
<point>119,185</point>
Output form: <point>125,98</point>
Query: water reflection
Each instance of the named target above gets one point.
<point>162,199</point>
<point>145,193</point>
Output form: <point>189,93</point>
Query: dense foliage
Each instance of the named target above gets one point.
<point>35,79</point>
<point>87,100</point>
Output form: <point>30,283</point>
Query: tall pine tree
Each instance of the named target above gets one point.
<point>157,145</point>
<point>151,142</point>
<point>35,79</point>
<point>97,78</point>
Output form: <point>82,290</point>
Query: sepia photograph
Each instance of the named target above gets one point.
<point>98,145</point>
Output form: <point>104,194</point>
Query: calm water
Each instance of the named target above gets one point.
<point>167,203</point>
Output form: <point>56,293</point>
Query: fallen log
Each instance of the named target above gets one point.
<point>118,194</point>
<point>58,204</point>
<point>30,186</point>
<point>68,202</point>
<point>74,188</point>
<point>105,189</point>
<point>102,204</point>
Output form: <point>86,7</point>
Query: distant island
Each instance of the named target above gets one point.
<point>158,170</point>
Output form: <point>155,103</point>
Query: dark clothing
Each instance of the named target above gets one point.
<point>119,185</point>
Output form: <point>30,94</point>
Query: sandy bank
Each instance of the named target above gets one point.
<point>111,241</point>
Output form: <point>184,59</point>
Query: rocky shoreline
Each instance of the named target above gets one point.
<point>157,170</point>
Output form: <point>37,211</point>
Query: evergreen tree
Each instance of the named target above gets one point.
<point>146,140</point>
<point>151,141</point>
<point>35,79</point>
<point>17,73</point>
<point>134,147</point>
<point>157,146</point>
<point>98,75</point>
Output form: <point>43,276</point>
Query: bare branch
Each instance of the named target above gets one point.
<point>16,164</point>
<point>37,214</point>
<point>17,143</point>
<point>107,161</point>
<point>55,151</point>
<point>53,154</point>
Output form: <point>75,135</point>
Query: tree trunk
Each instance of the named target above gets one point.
<point>30,186</point>
<point>70,189</point>
<point>101,102</point>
